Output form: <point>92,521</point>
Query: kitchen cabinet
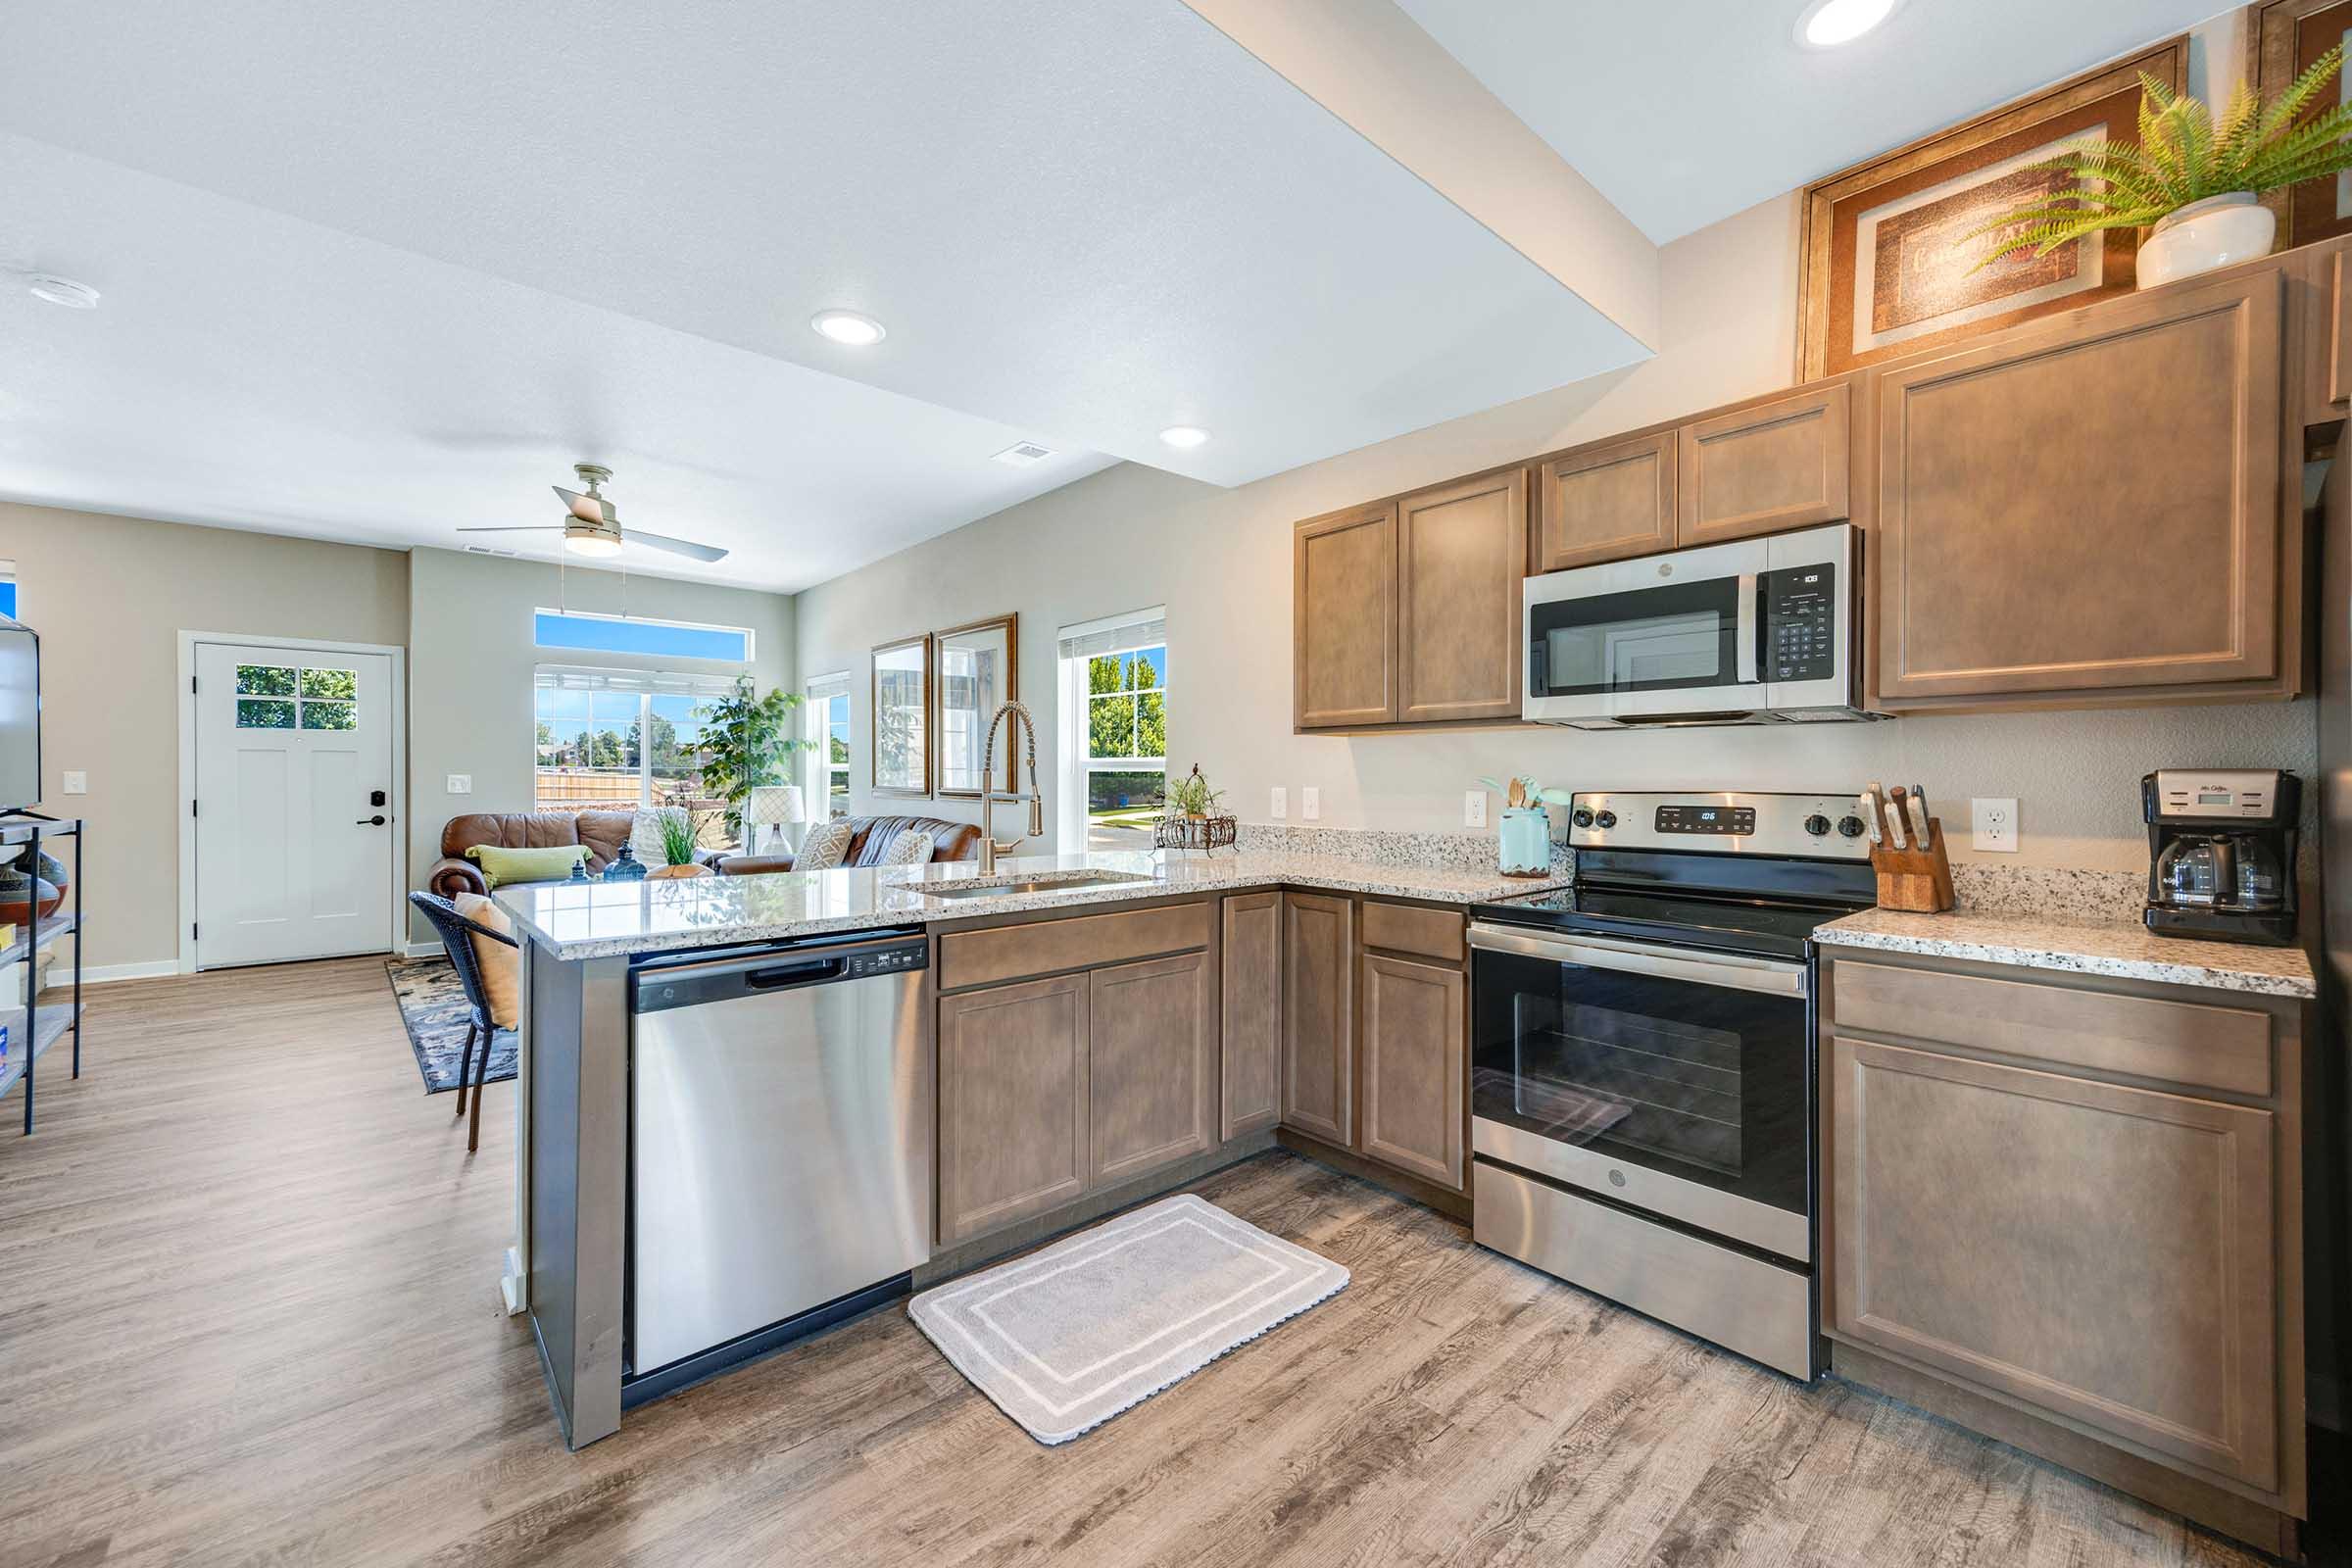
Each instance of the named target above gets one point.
<point>1251,1037</point>
<point>1012,1103</point>
<point>1344,619</point>
<point>1767,466</point>
<point>1606,502</point>
<point>1461,555</point>
<point>2090,508</point>
<point>2321,276</point>
<point>1415,1066</point>
<point>1318,1017</point>
<point>1151,1064</point>
<point>2042,1194</point>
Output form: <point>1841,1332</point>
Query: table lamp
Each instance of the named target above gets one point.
<point>776,806</point>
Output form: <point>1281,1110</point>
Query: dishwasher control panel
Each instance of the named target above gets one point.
<point>889,961</point>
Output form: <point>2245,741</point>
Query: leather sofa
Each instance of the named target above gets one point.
<point>604,832</point>
<point>871,838</point>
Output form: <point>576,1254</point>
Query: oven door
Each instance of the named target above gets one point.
<point>1665,636</point>
<point>1675,1082</point>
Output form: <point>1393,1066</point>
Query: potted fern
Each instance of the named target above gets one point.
<point>2198,181</point>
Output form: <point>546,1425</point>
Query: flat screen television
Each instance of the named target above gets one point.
<point>20,716</point>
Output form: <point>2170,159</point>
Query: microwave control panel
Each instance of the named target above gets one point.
<point>1800,623</point>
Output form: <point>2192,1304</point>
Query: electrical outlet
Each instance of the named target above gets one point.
<point>1278,803</point>
<point>1993,822</point>
<point>77,784</point>
<point>1311,802</point>
<point>1474,809</point>
<point>460,783</point>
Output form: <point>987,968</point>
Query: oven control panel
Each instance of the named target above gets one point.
<point>1816,827</point>
<point>1737,819</point>
<point>1800,623</point>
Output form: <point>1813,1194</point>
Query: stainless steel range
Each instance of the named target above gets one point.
<point>1642,1070</point>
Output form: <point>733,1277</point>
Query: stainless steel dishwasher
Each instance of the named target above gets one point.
<point>779,1146</point>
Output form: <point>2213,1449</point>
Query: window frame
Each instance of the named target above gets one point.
<point>750,637</point>
<point>698,688</point>
<point>1075,709</point>
<point>818,693</point>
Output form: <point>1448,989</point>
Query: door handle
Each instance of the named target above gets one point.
<point>370,821</point>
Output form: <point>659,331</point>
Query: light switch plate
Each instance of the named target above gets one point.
<point>76,783</point>
<point>1311,802</point>
<point>1474,809</point>
<point>460,783</point>
<point>1992,823</point>
<point>1278,803</point>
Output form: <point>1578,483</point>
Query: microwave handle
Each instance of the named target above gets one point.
<point>1746,636</point>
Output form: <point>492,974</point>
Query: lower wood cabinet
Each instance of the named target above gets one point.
<point>1318,1017</point>
<point>1012,1103</point>
<point>1251,992</point>
<point>1415,1066</point>
<point>1151,1064</point>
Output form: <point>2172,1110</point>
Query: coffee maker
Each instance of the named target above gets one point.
<point>2222,854</point>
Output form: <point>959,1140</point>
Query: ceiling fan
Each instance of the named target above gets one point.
<point>594,526</point>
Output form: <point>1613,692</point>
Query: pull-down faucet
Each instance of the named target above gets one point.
<point>989,795</point>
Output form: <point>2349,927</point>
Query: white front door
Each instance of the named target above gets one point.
<point>294,829</point>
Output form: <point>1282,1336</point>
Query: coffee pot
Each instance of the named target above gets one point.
<point>2222,854</point>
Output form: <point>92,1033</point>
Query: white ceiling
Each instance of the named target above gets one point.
<point>600,229</point>
<point>1689,112</point>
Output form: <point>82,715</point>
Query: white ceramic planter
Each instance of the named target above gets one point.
<point>2215,232</point>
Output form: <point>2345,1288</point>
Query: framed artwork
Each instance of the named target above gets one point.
<point>2285,37</point>
<point>973,673</point>
<point>1880,272</point>
<point>902,756</point>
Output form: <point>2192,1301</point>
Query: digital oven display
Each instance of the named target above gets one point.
<point>1726,819</point>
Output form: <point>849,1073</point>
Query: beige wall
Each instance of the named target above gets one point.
<point>1220,560</point>
<point>109,596</point>
<point>470,659</point>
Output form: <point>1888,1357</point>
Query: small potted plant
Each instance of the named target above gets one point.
<point>2196,180</point>
<point>1193,820</point>
<point>1190,797</point>
<point>1524,841</point>
<point>677,845</point>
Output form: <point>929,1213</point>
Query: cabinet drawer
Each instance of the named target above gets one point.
<point>998,954</point>
<point>1406,928</point>
<point>2198,1043</point>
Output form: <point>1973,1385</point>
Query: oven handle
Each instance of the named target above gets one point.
<point>1746,633</point>
<point>1770,976</point>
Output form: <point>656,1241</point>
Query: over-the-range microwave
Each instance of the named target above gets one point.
<point>1757,631</point>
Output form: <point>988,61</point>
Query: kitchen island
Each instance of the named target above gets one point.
<point>1174,1042</point>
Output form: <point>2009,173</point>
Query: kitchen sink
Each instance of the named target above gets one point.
<point>1006,887</point>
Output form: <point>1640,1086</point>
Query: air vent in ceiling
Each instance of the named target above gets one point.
<point>485,549</point>
<point>1021,454</point>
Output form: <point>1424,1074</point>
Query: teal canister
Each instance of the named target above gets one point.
<point>1526,841</point>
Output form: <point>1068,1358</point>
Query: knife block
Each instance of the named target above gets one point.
<point>1919,880</point>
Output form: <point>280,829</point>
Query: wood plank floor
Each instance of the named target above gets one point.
<point>249,1314</point>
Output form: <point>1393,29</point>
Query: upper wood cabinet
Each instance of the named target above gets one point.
<point>1151,1064</point>
<point>1415,1066</point>
<point>1250,988</point>
<point>1012,1104</point>
<point>1318,1015</point>
<point>1462,555</point>
<point>2086,507</point>
<point>1772,465</point>
<point>2325,331</point>
<point>1606,502</point>
<point>1344,619</point>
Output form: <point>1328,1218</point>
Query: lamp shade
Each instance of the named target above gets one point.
<point>775,806</point>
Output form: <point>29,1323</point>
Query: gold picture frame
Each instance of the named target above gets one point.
<point>975,668</point>
<point>2283,38</point>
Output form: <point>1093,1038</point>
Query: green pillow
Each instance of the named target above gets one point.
<point>552,863</point>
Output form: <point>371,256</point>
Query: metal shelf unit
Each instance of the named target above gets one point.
<point>46,1017</point>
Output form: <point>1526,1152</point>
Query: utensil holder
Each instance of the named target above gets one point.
<point>1919,880</point>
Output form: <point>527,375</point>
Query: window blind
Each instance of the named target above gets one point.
<point>580,678</point>
<point>1116,634</point>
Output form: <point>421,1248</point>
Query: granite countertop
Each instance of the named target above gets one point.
<point>606,919</point>
<point>2110,948</point>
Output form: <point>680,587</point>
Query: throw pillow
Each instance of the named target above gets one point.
<point>501,965</point>
<point>552,863</point>
<point>827,847</point>
<point>907,849</point>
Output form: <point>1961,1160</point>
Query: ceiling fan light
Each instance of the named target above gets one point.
<point>584,543</point>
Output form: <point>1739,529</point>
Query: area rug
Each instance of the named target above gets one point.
<point>432,1005</point>
<point>1069,1336</point>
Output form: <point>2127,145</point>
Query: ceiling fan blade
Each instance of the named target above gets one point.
<point>534,528</point>
<point>676,547</point>
<point>588,509</point>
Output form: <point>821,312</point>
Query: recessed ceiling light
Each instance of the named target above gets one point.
<point>848,327</point>
<point>62,291</point>
<point>1826,24</point>
<point>1183,435</point>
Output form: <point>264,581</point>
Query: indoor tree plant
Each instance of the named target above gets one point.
<point>748,741</point>
<point>2197,180</point>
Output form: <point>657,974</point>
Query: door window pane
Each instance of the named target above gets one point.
<point>329,716</point>
<point>340,684</point>
<point>257,713</point>
<point>265,680</point>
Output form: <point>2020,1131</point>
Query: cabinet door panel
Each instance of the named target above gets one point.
<point>1606,503</point>
<point>2103,1253</point>
<point>1151,1064</point>
<point>2093,506</point>
<point>1250,998</point>
<point>1318,1017</point>
<point>1415,1067</point>
<point>1344,619</point>
<point>1463,555</point>
<point>1780,465</point>
<point>1012,1104</point>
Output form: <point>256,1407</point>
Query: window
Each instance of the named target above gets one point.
<point>828,711</point>
<point>8,589</point>
<point>297,697</point>
<point>1114,730</point>
<point>623,738</point>
<point>635,634</point>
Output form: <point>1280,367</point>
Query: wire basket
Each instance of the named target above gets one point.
<point>1203,833</point>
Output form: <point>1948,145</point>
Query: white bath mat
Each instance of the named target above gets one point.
<point>1066,1337</point>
